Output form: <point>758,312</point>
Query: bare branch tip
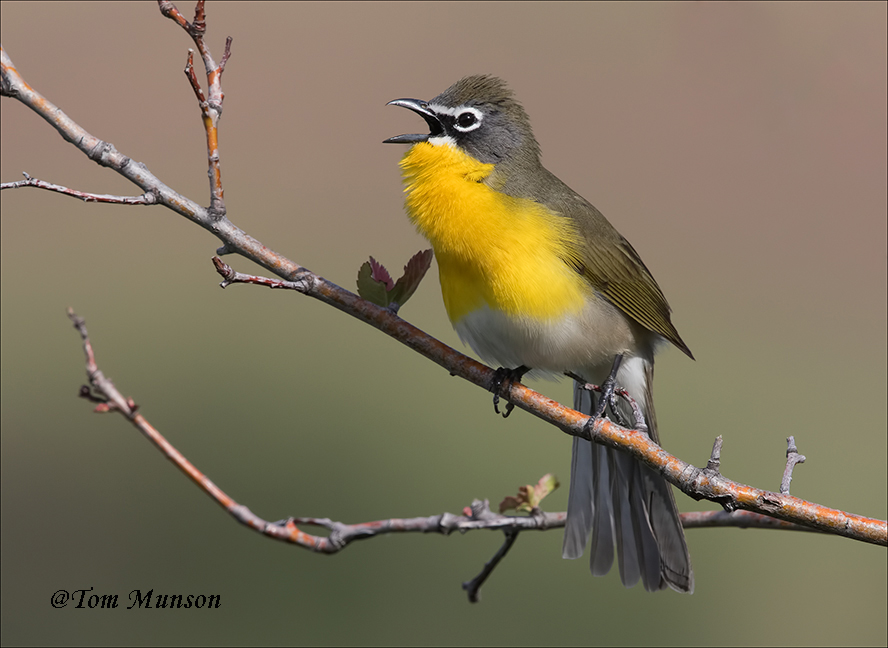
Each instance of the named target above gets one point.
<point>170,10</point>
<point>221,267</point>
<point>225,271</point>
<point>792,459</point>
<point>79,322</point>
<point>714,464</point>
<point>225,55</point>
<point>199,26</point>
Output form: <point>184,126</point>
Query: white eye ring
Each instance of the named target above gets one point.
<point>472,116</point>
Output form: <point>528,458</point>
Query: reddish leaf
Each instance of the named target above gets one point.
<point>529,497</point>
<point>371,289</point>
<point>375,283</point>
<point>379,273</point>
<point>414,271</point>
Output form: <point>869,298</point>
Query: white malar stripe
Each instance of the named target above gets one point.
<point>442,140</point>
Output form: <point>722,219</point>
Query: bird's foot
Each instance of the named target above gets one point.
<point>502,377</point>
<point>608,392</point>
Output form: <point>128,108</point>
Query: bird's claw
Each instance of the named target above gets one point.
<point>501,377</point>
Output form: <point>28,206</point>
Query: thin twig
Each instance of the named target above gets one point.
<point>147,198</point>
<point>230,276</point>
<point>473,586</point>
<point>225,55</point>
<point>116,402</point>
<point>192,79</point>
<point>714,464</point>
<point>211,106</point>
<point>792,458</point>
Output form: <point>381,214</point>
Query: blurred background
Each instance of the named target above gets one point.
<point>741,148</point>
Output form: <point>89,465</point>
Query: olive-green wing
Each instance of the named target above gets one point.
<point>613,267</point>
<point>615,270</point>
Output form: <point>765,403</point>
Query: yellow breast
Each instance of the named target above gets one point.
<point>492,249</point>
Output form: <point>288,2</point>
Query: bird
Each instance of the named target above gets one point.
<point>533,277</point>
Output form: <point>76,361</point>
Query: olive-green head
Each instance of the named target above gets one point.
<point>480,115</point>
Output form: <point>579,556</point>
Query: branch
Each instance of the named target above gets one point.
<point>147,198</point>
<point>211,106</point>
<point>475,584</point>
<point>792,458</point>
<point>699,484</point>
<point>103,153</point>
<point>738,519</point>
<point>102,391</point>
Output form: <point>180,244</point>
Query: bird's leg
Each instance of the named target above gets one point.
<point>607,391</point>
<point>502,376</point>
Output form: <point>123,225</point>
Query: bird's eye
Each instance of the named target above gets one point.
<point>468,119</point>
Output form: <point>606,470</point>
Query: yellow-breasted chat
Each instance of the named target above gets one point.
<point>533,276</point>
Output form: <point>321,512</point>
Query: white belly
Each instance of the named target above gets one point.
<point>584,342</point>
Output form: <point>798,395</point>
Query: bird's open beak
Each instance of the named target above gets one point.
<point>421,108</point>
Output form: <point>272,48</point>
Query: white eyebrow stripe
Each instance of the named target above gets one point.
<point>445,110</point>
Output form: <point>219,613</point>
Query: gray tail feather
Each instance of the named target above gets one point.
<point>623,502</point>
